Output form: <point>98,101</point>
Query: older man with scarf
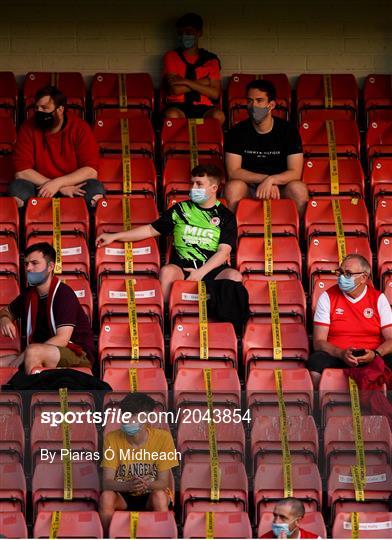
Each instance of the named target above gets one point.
<point>58,331</point>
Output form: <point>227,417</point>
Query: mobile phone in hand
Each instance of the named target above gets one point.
<point>358,352</point>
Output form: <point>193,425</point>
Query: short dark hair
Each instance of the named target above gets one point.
<point>45,248</point>
<point>212,171</point>
<point>297,506</point>
<point>190,19</point>
<point>54,93</point>
<point>136,402</point>
<point>264,86</point>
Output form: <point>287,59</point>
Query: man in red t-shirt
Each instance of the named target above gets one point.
<point>55,153</point>
<point>287,517</point>
<point>191,75</point>
<point>352,322</point>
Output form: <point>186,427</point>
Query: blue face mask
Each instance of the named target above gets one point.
<point>198,195</point>
<point>37,278</point>
<point>131,429</point>
<point>187,41</point>
<point>346,284</point>
<point>278,528</point>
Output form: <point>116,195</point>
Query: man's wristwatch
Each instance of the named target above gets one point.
<point>377,353</point>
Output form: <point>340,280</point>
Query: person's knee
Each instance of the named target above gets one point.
<point>22,190</point>
<point>94,190</point>
<point>235,189</point>
<point>168,273</point>
<point>107,500</point>
<point>232,274</point>
<point>33,356</point>
<point>218,115</point>
<point>159,500</point>
<point>297,190</point>
<point>173,113</point>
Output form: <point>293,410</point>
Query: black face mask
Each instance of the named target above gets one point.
<point>44,120</point>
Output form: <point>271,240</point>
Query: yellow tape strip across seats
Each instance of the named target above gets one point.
<point>328,97</point>
<point>122,92</point>
<point>133,380</point>
<point>214,462</point>
<point>210,522</point>
<point>55,524</point>
<point>56,218</point>
<point>340,238</point>
<point>354,525</point>
<point>133,524</point>
<point>126,156</point>
<point>333,158</point>
<point>203,320</point>
<point>68,489</point>
<point>132,316</point>
<point>276,333</point>
<point>192,129</point>
<point>126,209</point>
<point>359,470</point>
<point>269,263</point>
<point>287,475</point>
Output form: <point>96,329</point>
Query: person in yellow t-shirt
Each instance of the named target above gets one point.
<point>136,463</point>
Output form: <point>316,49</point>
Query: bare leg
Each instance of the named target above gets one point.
<point>235,190</point>
<point>230,273</point>
<point>298,192</point>
<point>109,502</point>
<point>173,112</point>
<point>168,274</point>
<point>11,360</point>
<point>158,501</point>
<point>41,355</point>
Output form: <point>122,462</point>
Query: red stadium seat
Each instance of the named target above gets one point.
<point>310,115</point>
<point>193,440</point>
<point>9,217</point>
<point>195,488</point>
<point>312,522</point>
<point>377,490</point>
<point>151,381</point>
<point>287,259</point>
<point>175,139</point>
<point>6,172</point>
<point>250,217</point>
<point>10,346</point>
<point>9,289</point>
<point>12,487</point>
<point>113,299</point>
<point>139,93</point>
<point>379,115</point>
<point>262,399</point>
<point>381,177</point>
<point>315,140</point>
<point>236,95</point>
<point>377,92</point>
<point>48,487</point>
<point>107,132</point>
<point>266,444</point>
<point>334,396</point>
<point>316,175</point>
<point>50,402</point>
<point>371,525</point>
<point>268,486</point>
<point>9,257</point>
<point>6,373</point>
<point>258,347</point>
<point>8,94</point>
<point>339,447</point>
<point>74,216</point>
<point>319,218</point>
<point>388,288</point>
<point>378,141</point>
<point>7,135</point>
<point>189,387</point>
<point>71,84</point>
<point>72,525</point>
<point>75,254</point>
<point>143,174</point>
<point>320,284</point>
<point>10,403</point>
<point>225,525</point>
<point>149,525</point>
<point>184,302</point>
<point>114,345</point>
<point>12,442</point>
<point>13,525</point>
<point>384,260</point>
<point>291,300</point>
<point>185,346</point>
<point>109,213</point>
<point>312,94</point>
<point>323,257</point>
<point>383,218</point>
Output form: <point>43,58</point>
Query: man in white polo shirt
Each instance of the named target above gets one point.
<point>352,323</point>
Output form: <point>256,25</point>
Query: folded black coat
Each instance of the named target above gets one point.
<point>53,379</point>
<point>228,302</point>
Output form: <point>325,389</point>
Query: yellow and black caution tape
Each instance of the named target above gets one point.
<point>269,263</point>
<point>55,524</point>
<point>126,156</point>
<point>287,470</point>
<point>133,380</point>
<point>203,320</point>
<point>126,208</point>
<point>328,97</point>
<point>210,523</point>
<point>359,470</point>
<point>54,79</point>
<point>333,158</point>
<point>276,333</point>
<point>56,217</point>
<point>340,238</point>
<point>133,524</point>
<point>214,462</point>
<point>132,316</point>
<point>192,128</point>
<point>68,489</point>
<point>122,92</point>
<point>354,524</point>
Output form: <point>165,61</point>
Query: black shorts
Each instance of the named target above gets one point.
<point>211,275</point>
<point>320,360</point>
<point>135,502</point>
<point>190,111</point>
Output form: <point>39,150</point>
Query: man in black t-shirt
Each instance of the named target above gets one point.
<point>264,154</point>
<point>204,233</point>
<point>58,331</point>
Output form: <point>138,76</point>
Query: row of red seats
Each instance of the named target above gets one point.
<point>135,92</point>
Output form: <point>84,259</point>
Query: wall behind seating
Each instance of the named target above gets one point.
<point>291,36</point>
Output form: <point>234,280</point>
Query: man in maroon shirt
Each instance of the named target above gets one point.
<point>57,329</point>
<point>55,153</point>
